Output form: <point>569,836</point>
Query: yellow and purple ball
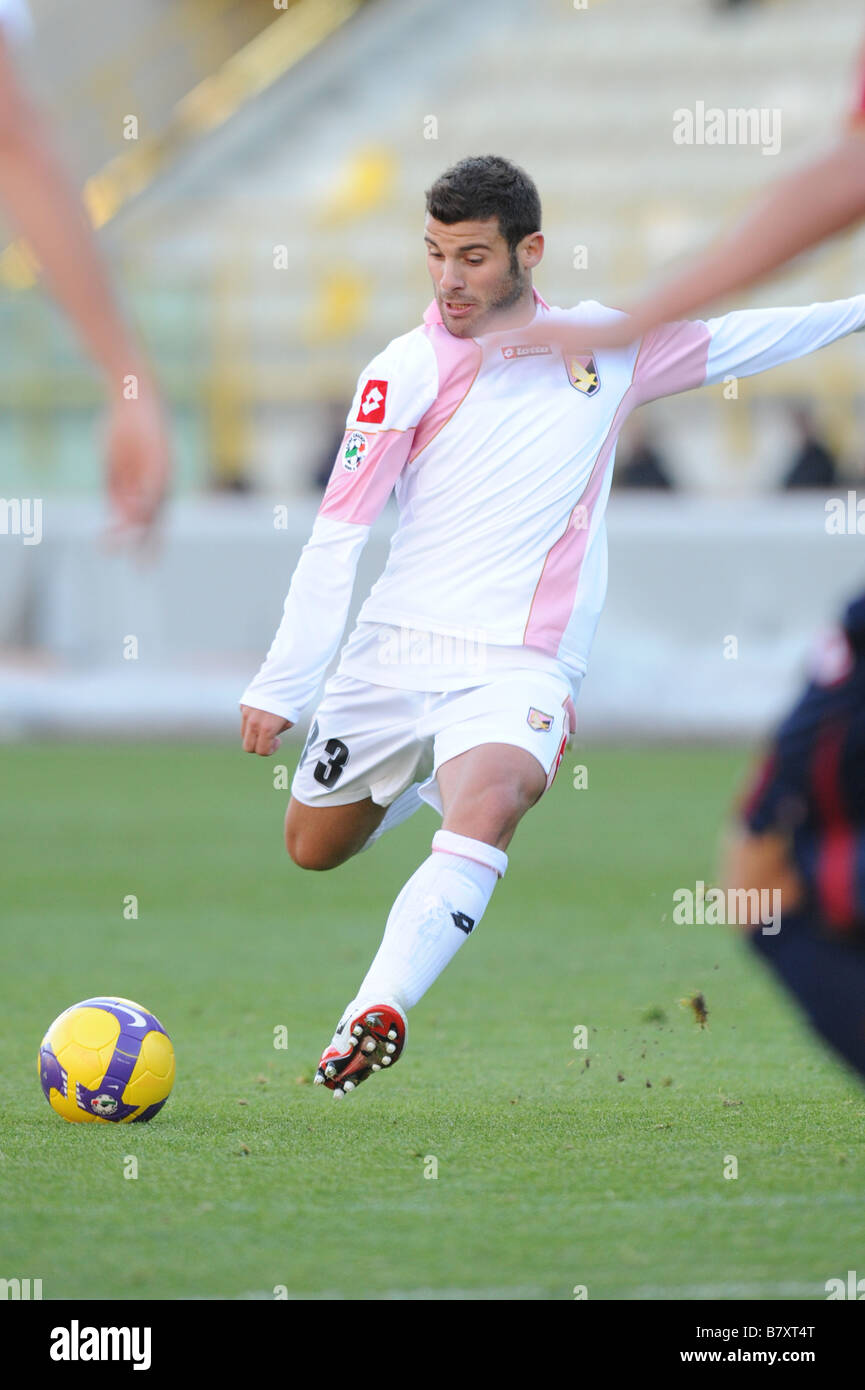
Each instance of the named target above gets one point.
<point>106,1059</point>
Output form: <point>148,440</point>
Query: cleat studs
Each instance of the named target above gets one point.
<point>369,1045</point>
<point>349,1085</point>
<point>357,1030</point>
<point>330,1071</point>
<point>318,1079</point>
<point>376,1066</point>
<point>392,1034</point>
<point>385,1061</point>
<point>391,1047</point>
<point>338,1094</point>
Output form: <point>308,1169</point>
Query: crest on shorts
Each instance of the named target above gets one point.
<point>582,372</point>
<point>536,719</point>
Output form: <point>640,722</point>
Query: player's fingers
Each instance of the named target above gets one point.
<point>251,735</point>
<point>265,742</point>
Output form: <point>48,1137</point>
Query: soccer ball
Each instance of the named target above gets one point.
<point>106,1059</point>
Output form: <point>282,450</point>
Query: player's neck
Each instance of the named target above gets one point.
<point>516,315</point>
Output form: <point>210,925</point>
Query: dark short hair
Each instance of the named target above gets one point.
<point>485,186</point>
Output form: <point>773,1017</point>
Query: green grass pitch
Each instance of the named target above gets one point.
<point>557,1167</point>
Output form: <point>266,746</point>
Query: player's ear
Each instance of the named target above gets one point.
<point>531,250</point>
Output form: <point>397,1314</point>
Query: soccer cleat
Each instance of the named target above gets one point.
<point>370,1037</point>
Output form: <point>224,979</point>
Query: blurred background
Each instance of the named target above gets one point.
<point>257,170</point>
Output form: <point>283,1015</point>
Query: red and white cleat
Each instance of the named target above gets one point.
<point>370,1038</point>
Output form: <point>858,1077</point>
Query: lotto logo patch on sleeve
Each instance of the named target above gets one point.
<point>373,399</point>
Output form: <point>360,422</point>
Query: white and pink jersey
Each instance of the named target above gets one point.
<point>500,456</point>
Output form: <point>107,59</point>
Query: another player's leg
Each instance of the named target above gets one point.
<point>826,977</point>
<point>821,967</point>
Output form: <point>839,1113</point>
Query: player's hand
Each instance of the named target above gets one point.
<point>138,462</point>
<point>259,730</point>
<point>582,338</point>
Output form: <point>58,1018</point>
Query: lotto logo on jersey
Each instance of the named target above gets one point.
<point>582,373</point>
<point>353,451</point>
<point>526,350</point>
<point>373,398</point>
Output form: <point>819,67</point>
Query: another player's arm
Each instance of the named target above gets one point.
<point>797,212</point>
<point>43,206</point>
<point>756,852</point>
<point>373,452</point>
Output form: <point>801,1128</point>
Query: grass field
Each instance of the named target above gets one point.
<point>556,1167</point>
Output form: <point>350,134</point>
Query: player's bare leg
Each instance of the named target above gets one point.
<point>485,792</point>
<point>322,837</point>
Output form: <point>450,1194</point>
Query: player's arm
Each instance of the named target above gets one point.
<point>677,357</point>
<point>756,848</point>
<point>797,212</point>
<point>43,206</point>
<point>391,398</point>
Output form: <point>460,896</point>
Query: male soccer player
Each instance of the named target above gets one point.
<point>39,199</point>
<point>801,830</point>
<point>501,455</point>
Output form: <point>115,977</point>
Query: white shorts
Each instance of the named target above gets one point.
<point>375,740</point>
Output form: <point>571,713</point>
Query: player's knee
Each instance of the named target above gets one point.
<point>490,813</point>
<point>310,851</point>
<point>305,852</point>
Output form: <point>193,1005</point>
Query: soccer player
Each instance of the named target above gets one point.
<point>37,195</point>
<point>801,830</point>
<point>458,684</point>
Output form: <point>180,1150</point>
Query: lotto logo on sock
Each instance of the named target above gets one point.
<point>464,922</point>
<point>373,399</point>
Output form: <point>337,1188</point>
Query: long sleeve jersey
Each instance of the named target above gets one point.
<point>500,454</point>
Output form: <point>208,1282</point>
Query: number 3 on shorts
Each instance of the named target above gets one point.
<point>328,770</point>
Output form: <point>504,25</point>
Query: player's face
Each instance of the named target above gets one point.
<point>479,285</point>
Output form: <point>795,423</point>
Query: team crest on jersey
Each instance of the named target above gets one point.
<point>536,719</point>
<point>354,450</point>
<point>582,372</point>
<point>373,399</point>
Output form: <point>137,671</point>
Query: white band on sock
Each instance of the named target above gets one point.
<point>467,848</point>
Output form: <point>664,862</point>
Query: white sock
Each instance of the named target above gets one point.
<point>434,914</point>
<point>399,810</point>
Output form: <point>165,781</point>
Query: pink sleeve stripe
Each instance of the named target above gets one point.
<point>673,357</point>
<point>458,361</point>
<point>360,496</point>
